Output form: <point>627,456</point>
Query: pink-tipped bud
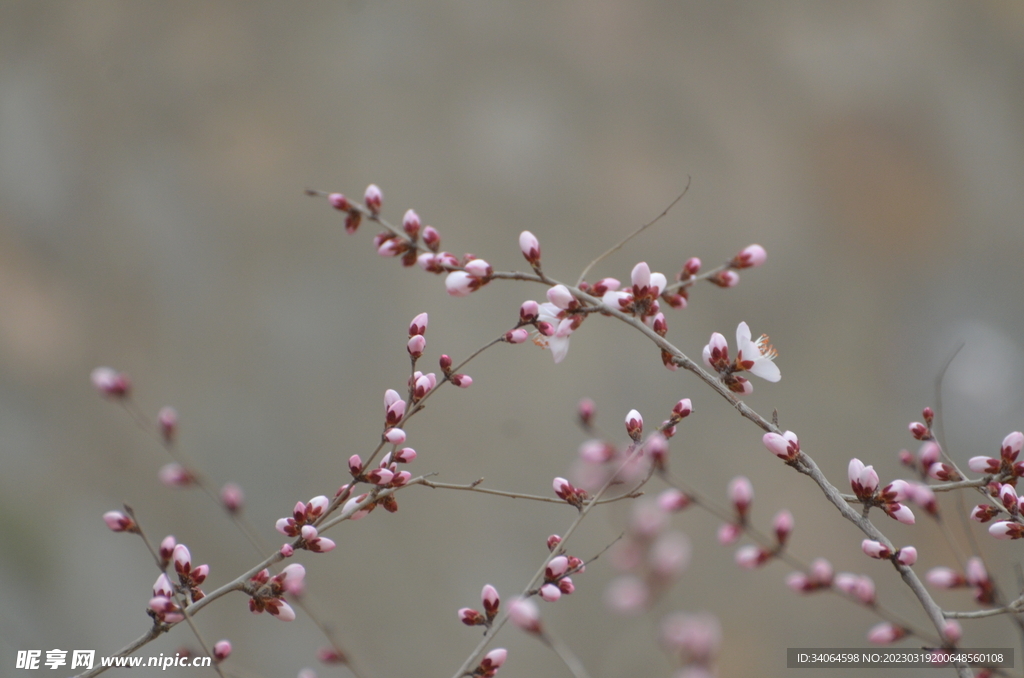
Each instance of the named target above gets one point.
<point>785,446</point>
<point>460,283</point>
<point>431,238</point>
<point>783,525</point>
<point>524,614</point>
<point>1011,446</point>
<point>471,617</point>
<point>182,559</point>
<point>355,465</point>
<point>553,541</point>
<point>944,578</point>
<point>517,336</point>
<point>821,571</point>
<point>395,436</point>
<point>749,257</point>
<point>919,431</point>
<point>906,555</point>
<point>1006,529</point>
<point>984,464</point>
<point>119,522</point>
<point>231,497</point>
<point>493,661</point>
<point>729,533</point>
<point>673,500</point>
<point>976,573</point>
<point>550,592</point>
<point>530,247</point>
<point>418,326</point>
<point>167,549</point>
<point>167,420</point>
<point>110,383</point>
<point>885,633</point>
<point>175,475</point>
<point>682,409</point>
<point>415,345</point>
<point>405,455</point>
<point>726,278</point>
<point>373,198</point>
<point>634,425</point>
<point>560,296</point>
<point>411,223</point>
<point>462,380</point>
<point>528,311</point>
<point>339,202</point>
<point>478,268</point>
<point>741,494</point>
<point>691,267</point>
<point>640,277</point>
<point>750,557</point>
<point>287,550</point>
<point>221,650</point>
<point>875,549</point>
<point>491,600</point>
<point>660,325</point>
<point>984,513</point>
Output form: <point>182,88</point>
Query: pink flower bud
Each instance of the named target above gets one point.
<point>119,522</point>
<point>395,436</point>
<point>405,455</point>
<point>725,278</point>
<point>741,494</point>
<point>785,446</point>
<point>560,296</point>
<point>691,267</point>
<point>729,533</point>
<point>550,592</point>
<point>749,257</point>
<point>415,345</point>
<point>640,277</point>
<point>167,419</point>
<point>929,453</point>
<point>517,336</point>
<point>110,383</point>
<point>291,577</point>
<point>418,326</point>
<point>919,430</point>
<point>460,283</point>
<point>478,268</point>
<point>673,500</point>
<point>899,512</point>
<point>556,567</point>
<point>373,198</point>
<point>783,525</point>
<point>494,659</point>
<point>951,631</point>
<point>167,548</point>
<point>944,578</point>
<point>175,475</point>
<point>221,650</point>
<point>491,600</point>
<point>977,575</point>
<point>411,223</point>
<point>821,571</point>
<point>1011,446</point>
<point>530,247</point>
<point>431,238</point>
<point>182,559</point>
<point>471,617</point>
<point>287,550</point>
<point>163,587</point>
<point>528,311</point>
<point>875,549</point>
<point>339,202</point>
<point>308,532</point>
<point>906,555</point>
<point>984,513</point>
<point>462,380</point>
<point>634,425</point>
<point>885,633</point>
<point>1006,529</point>
<point>231,497</point>
<point>524,614</point>
<point>352,221</point>
<point>282,611</point>
<point>331,655</point>
<point>682,409</point>
<point>750,557</point>
<point>984,464</point>
<point>553,541</point>
<point>716,353</point>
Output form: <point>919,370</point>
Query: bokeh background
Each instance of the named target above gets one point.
<point>152,164</point>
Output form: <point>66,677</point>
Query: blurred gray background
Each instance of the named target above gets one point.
<point>152,163</point>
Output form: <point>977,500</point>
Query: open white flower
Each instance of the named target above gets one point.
<point>559,341</point>
<point>756,357</point>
